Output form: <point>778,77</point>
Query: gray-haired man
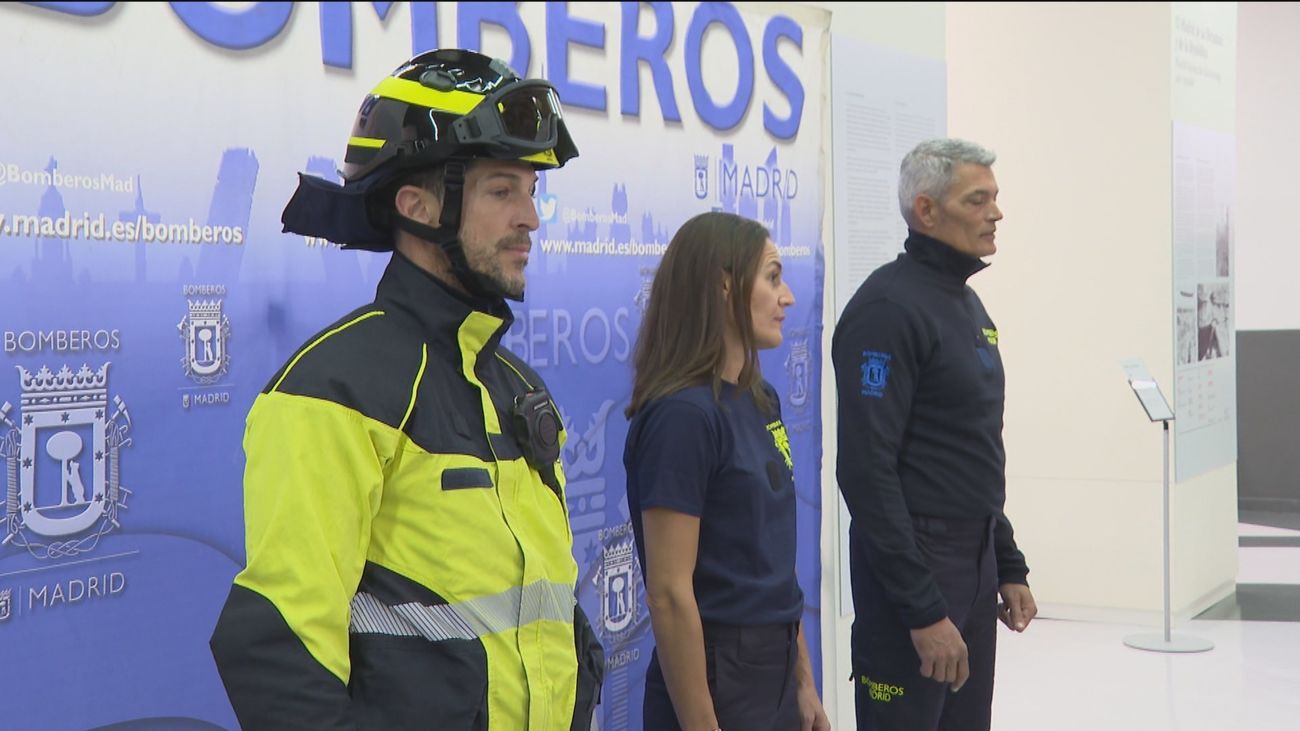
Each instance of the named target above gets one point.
<point>921,462</point>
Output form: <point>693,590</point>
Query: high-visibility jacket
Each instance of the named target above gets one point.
<point>406,567</point>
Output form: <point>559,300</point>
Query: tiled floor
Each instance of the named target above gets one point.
<point>1079,676</point>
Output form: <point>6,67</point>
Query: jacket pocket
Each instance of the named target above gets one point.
<point>464,478</point>
<point>411,683</point>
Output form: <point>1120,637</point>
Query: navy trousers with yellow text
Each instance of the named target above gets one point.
<point>890,692</point>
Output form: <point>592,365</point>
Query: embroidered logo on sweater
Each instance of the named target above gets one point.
<point>875,373</point>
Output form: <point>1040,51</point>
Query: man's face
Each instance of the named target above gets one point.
<point>498,215</point>
<point>966,219</point>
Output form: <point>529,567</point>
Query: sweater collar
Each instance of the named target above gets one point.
<point>941,258</point>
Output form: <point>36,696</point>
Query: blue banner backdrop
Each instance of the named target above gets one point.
<point>148,294</point>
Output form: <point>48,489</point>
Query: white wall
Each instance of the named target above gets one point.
<point>1076,100</point>
<point>912,27</point>
<point>1268,156</point>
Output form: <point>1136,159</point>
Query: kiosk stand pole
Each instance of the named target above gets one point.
<point>1167,642</point>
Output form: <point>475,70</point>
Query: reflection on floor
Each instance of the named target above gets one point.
<point>1079,676</point>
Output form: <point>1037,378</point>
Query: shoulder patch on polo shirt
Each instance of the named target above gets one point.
<point>875,373</point>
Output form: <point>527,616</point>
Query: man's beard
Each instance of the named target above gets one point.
<point>488,265</point>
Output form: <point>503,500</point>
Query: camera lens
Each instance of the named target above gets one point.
<point>548,428</point>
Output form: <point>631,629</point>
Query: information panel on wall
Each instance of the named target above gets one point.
<point>1204,199</point>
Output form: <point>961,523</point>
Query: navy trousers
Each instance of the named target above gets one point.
<point>891,694</point>
<point>751,675</point>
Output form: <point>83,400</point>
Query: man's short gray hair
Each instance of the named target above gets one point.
<point>928,170</point>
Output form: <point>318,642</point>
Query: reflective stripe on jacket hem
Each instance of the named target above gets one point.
<point>467,620</point>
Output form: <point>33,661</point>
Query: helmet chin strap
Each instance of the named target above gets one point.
<point>447,236</point>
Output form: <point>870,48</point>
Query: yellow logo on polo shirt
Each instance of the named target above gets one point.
<point>990,335</point>
<point>781,440</point>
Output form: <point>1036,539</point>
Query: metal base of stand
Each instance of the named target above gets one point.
<point>1156,642</point>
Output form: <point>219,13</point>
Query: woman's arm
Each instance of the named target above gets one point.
<point>671,544</point>
<point>811,714</point>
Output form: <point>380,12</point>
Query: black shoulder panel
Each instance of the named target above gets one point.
<point>368,361</point>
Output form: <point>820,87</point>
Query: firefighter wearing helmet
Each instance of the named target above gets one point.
<point>409,555</point>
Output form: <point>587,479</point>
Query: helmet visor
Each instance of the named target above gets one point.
<point>531,115</point>
<point>524,118</point>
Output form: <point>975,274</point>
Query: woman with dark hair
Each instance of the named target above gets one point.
<point>710,486</point>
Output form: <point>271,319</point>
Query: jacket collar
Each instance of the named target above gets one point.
<point>951,265</point>
<point>437,309</point>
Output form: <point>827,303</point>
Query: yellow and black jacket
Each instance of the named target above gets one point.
<point>406,568</point>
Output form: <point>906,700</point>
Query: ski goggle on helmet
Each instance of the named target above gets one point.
<point>456,104</point>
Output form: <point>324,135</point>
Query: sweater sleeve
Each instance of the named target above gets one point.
<point>1011,562</point>
<point>879,350</point>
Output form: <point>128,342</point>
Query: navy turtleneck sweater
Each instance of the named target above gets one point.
<point>921,390</point>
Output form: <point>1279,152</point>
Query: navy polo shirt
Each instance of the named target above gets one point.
<point>727,463</point>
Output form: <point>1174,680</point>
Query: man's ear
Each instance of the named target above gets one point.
<point>418,204</point>
<point>926,210</point>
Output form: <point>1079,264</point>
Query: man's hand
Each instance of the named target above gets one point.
<point>1018,608</point>
<point>812,716</point>
<point>943,653</point>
